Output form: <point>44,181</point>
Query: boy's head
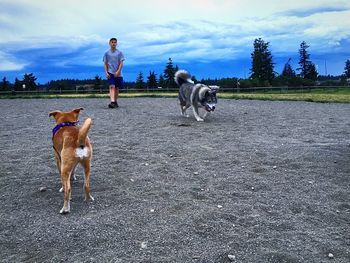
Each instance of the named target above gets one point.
<point>113,42</point>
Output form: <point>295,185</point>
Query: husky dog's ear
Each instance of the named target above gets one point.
<point>214,88</point>
<point>203,91</point>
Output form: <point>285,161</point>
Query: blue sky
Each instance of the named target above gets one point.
<point>210,38</point>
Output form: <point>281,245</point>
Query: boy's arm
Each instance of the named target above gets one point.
<point>121,64</point>
<point>105,65</point>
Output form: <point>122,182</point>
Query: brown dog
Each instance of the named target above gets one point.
<point>71,146</point>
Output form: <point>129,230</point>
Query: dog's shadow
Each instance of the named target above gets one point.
<point>182,124</point>
<point>191,122</point>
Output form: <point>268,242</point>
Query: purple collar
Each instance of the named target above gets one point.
<point>61,125</point>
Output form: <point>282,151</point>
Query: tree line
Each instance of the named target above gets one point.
<point>262,74</point>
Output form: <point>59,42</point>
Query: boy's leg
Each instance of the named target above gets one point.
<point>116,93</point>
<point>112,93</point>
<point>119,83</point>
<point>112,96</point>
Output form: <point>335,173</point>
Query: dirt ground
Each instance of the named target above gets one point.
<point>258,181</point>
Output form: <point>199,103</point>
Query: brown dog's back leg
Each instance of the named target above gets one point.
<point>73,177</point>
<point>86,165</point>
<point>65,176</point>
<point>58,162</point>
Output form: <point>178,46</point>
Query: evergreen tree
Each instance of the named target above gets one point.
<point>225,83</point>
<point>288,70</point>
<point>194,79</point>
<point>262,64</point>
<point>161,81</point>
<point>29,81</point>
<point>18,84</point>
<point>140,84</point>
<point>311,74</point>
<point>347,69</point>
<point>5,85</point>
<point>152,80</point>
<point>304,59</point>
<point>169,73</point>
<point>307,68</point>
<point>97,83</point>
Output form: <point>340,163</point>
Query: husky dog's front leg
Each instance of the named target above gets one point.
<point>205,114</point>
<point>196,114</point>
<point>183,110</point>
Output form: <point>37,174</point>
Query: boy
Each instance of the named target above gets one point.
<point>113,63</point>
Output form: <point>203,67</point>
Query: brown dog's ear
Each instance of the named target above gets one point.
<point>54,113</point>
<point>77,110</point>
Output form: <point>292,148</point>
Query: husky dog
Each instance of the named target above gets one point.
<point>195,95</point>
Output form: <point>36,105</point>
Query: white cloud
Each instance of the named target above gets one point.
<point>8,63</point>
<point>77,31</point>
<point>108,17</point>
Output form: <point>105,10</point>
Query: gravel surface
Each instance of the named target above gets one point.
<point>258,181</point>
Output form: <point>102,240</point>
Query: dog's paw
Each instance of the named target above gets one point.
<point>89,198</point>
<point>64,210</point>
<point>200,119</point>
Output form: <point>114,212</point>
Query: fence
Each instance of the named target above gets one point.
<point>166,90</point>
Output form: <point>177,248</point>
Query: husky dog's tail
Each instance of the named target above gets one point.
<point>182,76</point>
<point>83,132</point>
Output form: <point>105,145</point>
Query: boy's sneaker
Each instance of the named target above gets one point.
<point>116,104</point>
<point>111,105</point>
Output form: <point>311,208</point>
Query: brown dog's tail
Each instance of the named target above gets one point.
<point>83,132</point>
